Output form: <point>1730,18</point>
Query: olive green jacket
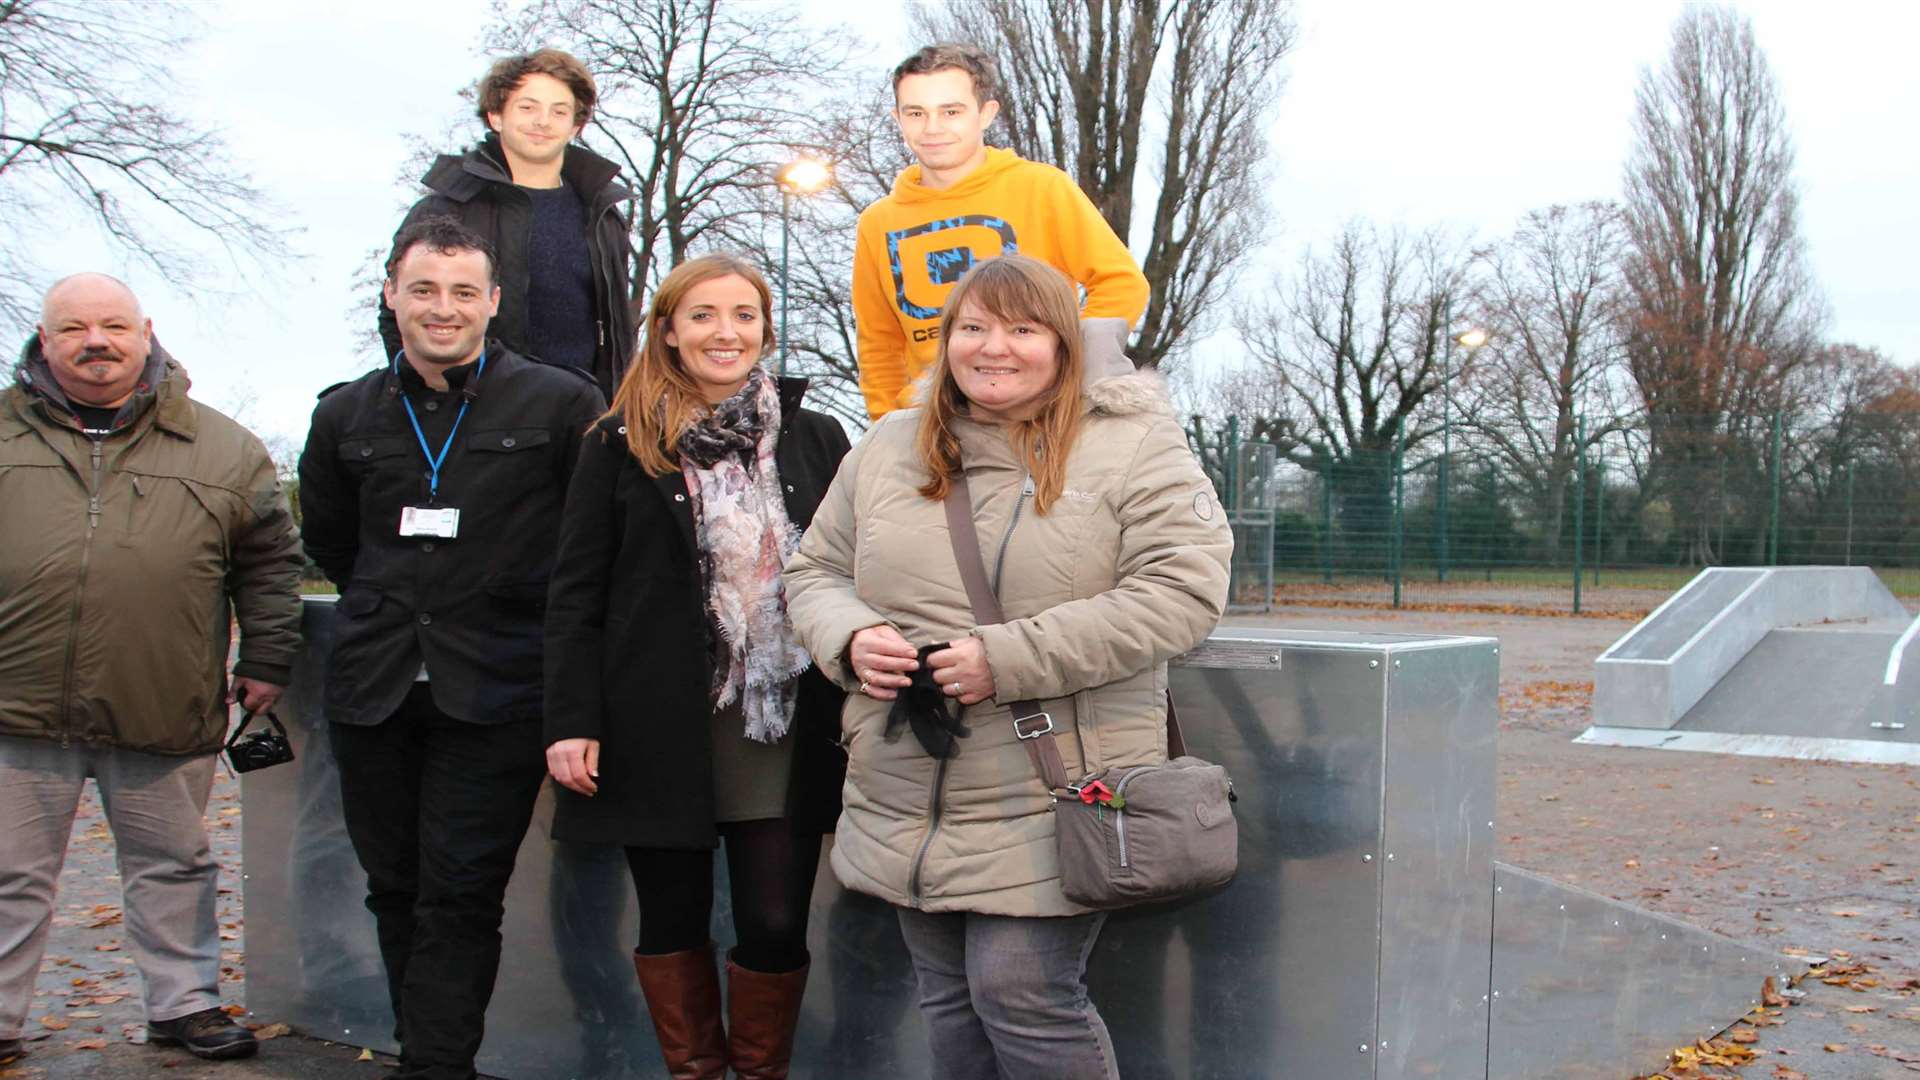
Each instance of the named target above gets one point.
<point>124,563</point>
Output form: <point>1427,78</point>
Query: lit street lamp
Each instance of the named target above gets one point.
<point>801,176</point>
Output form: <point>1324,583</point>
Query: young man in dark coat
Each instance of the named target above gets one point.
<point>432,491</point>
<point>551,209</point>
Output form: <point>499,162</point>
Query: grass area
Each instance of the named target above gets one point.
<point>1902,581</point>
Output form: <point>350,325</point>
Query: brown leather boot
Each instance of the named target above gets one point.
<point>683,996</point>
<point>762,1011</point>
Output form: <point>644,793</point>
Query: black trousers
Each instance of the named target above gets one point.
<point>436,809</point>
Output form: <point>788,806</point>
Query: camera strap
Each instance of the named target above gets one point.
<point>246,718</point>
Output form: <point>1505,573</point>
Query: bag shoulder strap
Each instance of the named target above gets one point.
<point>1031,723</point>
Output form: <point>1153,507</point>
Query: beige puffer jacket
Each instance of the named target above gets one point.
<point>1128,569</point>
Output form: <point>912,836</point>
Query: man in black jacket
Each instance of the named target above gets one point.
<point>552,212</point>
<point>431,492</point>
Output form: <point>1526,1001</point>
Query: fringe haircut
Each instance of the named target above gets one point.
<point>1013,288</point>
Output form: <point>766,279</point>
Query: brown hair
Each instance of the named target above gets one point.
<point>657,400</point>
<point>1012,288</point>
<point>507,73</point>
<point>952,56</point>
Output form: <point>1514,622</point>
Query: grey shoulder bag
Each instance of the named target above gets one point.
<point>1126,835</point>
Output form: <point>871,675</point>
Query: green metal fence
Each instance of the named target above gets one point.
<point>1479,509</point>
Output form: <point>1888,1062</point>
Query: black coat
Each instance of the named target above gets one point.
<point>477,188</point>
<point>470,607</point>
<point>628,658</point>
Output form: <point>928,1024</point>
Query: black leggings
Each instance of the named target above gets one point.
<point>771,871</point>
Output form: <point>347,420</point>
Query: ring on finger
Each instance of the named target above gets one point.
<point>863,686</point>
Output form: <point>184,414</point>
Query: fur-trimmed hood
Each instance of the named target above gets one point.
<point>1142,393</point>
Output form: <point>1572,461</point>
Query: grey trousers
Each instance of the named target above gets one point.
<point>155,806</point>
<point>1006,998</point>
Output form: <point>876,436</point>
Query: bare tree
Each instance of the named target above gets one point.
<point>1354,345</point>
<point>1099,87</point>
<point>700,103</point>
<point>1550,298</point>
<point>89,129</point>
<point>1722,304</point>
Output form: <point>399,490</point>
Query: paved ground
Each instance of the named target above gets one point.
<point>1810,858</point>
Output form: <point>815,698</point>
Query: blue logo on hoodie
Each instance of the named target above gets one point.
<point>944,265</point>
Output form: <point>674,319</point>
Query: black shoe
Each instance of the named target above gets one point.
<point>209,1033</point>
<point>11,1050</point>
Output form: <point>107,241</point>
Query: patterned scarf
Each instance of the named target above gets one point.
<point>741,522</point>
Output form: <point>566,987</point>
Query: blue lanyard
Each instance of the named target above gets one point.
<point>434,460</point>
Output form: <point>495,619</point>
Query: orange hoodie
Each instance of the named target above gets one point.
<point>914,244</point>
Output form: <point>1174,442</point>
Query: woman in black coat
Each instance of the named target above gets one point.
<point>680,710</point>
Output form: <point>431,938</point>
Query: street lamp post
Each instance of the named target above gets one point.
<point>1471,338</point>
<point>801,176</point>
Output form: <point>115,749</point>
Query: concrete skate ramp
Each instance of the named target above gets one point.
<point>1640,983</point>
<point>1797,662</point>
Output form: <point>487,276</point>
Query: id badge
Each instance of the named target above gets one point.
<point>440,521</point>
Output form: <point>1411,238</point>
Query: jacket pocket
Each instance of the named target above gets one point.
<point>358,452</point>
<point>512,441</point>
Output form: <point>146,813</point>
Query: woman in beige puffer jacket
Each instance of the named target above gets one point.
<point>1124,569</point>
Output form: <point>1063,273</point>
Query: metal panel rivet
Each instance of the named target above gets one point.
<point>1389,859</point>
<point>1396,663</point>
<point>1363,1048</point>
<point>1496,993</point>
<point>1373,663</point>
<point>1563,907</point>
<point>1366,858</point>
<point>1503,888</point>
<point>1274,659</point>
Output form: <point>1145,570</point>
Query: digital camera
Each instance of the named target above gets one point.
<point>250,750</point>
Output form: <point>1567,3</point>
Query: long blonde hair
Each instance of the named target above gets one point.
<point>1013,288</point>
<point>657,400</point>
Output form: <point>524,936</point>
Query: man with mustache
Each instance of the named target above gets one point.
<point>136,521</point>
<point>431,492</point>
<point>551,209</point>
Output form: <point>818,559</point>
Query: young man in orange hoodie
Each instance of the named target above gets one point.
<point>966,201</point>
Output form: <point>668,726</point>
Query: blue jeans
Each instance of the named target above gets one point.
<point>1006,998</point>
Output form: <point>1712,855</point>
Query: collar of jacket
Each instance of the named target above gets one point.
<point>793,389</point>
<point>162,391</point>
<point>460,177</point>
<point>1140,393</point>
<point>402,376</point>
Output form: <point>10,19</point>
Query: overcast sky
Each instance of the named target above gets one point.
<point>1463,114</point>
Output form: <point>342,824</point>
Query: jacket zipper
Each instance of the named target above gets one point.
<point>934,814</point>
<point>1000,559</point>
<point>935,809</point>
<point>73,616</point>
